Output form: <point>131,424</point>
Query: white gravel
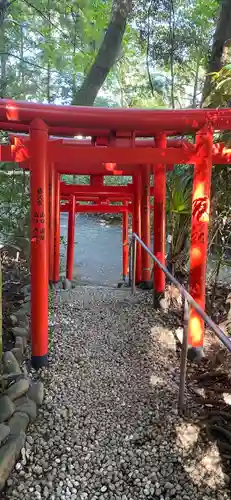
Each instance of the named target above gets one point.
<point>109,427</point>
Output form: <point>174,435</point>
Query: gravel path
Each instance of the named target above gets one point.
<point>109,427</point>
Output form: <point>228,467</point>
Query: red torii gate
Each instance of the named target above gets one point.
<point>72,208</point>
<point>101,195</point>
<point>113,150</point>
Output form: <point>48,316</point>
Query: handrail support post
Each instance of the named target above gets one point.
<point>183,358</point>
<point>134,254</point>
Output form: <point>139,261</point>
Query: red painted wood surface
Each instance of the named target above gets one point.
<point>125,247</point>
<point>57,230</point>
<point>145,222</point>
<point>199,233</point>
<point>39,243</point>
<point>51,219</point>
<point>159,218</point>
<point>182,120</point>
<point>71,239</point>
<point>136,222</point>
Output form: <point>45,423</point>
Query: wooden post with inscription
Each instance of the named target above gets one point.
<point>39,243</point>
<point>199,239</point>
<point>159,239</point>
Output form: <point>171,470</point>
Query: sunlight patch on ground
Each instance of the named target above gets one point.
<point>163,336</point>
<point>207,467</point>
<point>156,381</point>
<point>187,435</point>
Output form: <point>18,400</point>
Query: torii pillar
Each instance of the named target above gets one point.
<point>56,275</point>
<point>71,239</point>
<point>199,239</point>
<point>159,225</point>
<point>125,251</point>
<point>145,225</point>
<point>39,243</point>
<point>136,221</point>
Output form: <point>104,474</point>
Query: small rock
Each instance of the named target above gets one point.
<point>46,492</point>
<point>18,422</point>
<point>20,315</point>
<point>6,408</point>
<point>4,432</point>
<point>36,392</point>
<point>9,453</point>
<point>25,309</point>
<point>168,486</point>
<point>67,284</point>
<point>7,378</point>
<point>18,331</point>
<point>28,407</point>
<point>26,289</point>
<point>17,352</point>
<point>13,320</point>
<point>10,363</point>
<point>30,440</point>
<point>23,322</point>
<point>17,389</point>
<point>20,401</point>
<point>26,299</point>
<point>19,343</point>
<point>103,489</point>
<point>38,470</point>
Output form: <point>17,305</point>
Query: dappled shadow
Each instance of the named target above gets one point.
<point>111,400</point>
<point>191,464</point>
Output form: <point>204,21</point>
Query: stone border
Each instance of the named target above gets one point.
<point>20,395</point>
<point>62,284</point>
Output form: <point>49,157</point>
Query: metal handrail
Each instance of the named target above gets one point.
<point>188,300</point>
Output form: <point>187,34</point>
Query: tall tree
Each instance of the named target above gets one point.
<point>221,42</point>
<point>177,35</point>
<point>107,54</point>
<point>3,8</point>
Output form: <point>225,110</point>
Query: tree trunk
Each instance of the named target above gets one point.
<point>3,8</point>
<point>172,49</point>
<point>22,63</point>
<point>221,41</point>
<point>106,56</point>
<point>194,99</point>
<point>3,58</point>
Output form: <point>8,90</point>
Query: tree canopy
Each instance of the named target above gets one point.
<point>114,53</point>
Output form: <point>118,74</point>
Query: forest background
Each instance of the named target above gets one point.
<point>119,53</point>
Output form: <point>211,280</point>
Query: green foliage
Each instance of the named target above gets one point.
<point>14,206</point>
<point>179,203</point>
<point>176,35</point>
<point>220,94</point>
<point>48,46</point>
<point>117,180</point>
<point>76,179</point>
